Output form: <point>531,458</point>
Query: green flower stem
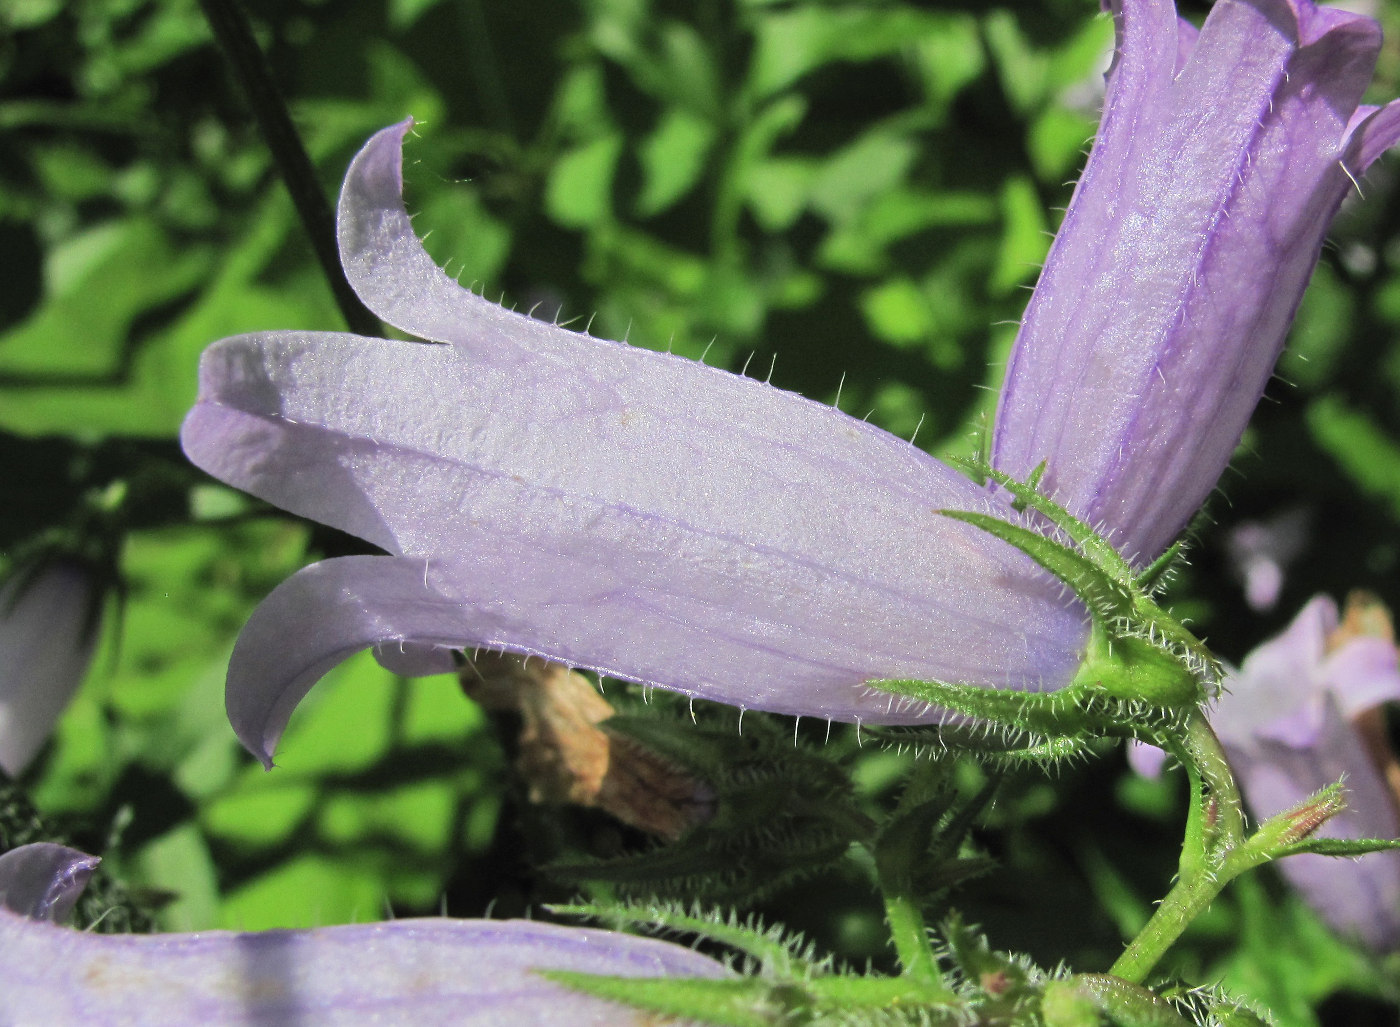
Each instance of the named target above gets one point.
<point>235,38</point>
<point>910,936</point>
<point>1214,851</point>
<point>1175,912</point>
<point>1203,751</point>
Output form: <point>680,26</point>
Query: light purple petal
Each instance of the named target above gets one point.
<point>610,507</point>
<point>1361,675</point>
<point>46,644</point>
<point>735,640</point>
<point>1199,217</point>
<point>1186,36</point>
<point>1277,692</point>
<point>42,881</point>
<point>420,972</point>
<point>1147,760</point>
<point>1281,691</point>
<point>1260,552</point>
<point>1359,898</point>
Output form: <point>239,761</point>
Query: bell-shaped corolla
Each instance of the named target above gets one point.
<point>605,506</point>
<point>647,517</point>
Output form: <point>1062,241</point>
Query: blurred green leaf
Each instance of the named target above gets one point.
<point>949,56</point>
<point>1025,236</point>
<point>868,167</point>
<point>26,14</point>
<point>579,190</point>
<point>673,160</point>
<point>897,312</point>
<point>98,283</point>
<point>795,41</point>
<point>1362,451</point>
<point>308,891</point>
<point>1317,340</point>
<point>1286,957</point>
<point>1058,142</point>
<point>179,862</point>
<point>862,246</point>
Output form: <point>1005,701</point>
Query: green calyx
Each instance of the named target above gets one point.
<point>1132,668</point>
<point>1142,670</point>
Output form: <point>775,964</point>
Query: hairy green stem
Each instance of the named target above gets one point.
<point>1175,912</point>
<point>235,38</point>
<point>1226,809</point>
<point>1213,850</point>
<point>910,936</point>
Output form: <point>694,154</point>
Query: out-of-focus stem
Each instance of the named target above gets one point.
<point>249,66</point>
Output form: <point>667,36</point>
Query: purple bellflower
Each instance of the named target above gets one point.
<point>660,521</point>
<point>48,630</point>
<point>458,972</point>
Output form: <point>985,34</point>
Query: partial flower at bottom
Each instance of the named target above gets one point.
<point>463,973</point>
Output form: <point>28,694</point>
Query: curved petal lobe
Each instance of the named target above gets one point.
<point>42,881</point>
<point>738,644</point>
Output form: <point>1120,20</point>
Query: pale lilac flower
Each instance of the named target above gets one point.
<point>1289,724</point>
<point>48,629</point>
<point>656,520</point>
<point>423,972</point>
<point>1220,161</point>
<point>609,507</point>
<point>1292,721</point>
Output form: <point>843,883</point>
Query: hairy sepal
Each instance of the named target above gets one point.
<point>784,981</point>
<point>1124,1003</point>
<point>1141,671</point>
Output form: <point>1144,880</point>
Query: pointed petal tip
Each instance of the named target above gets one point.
<point>1373,131</point>
<point>383,258</point>
<point>383,154</point>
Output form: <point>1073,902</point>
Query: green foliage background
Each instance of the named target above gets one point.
<point>846,196</point>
